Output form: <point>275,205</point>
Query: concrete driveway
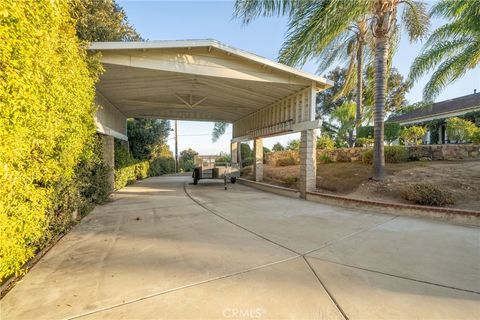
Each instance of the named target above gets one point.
<point>164,249</point>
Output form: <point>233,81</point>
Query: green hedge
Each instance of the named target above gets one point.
<point>393,154</point>
<point>365,132</point>
<point>128,169</point>
<point>46,126</point>
<point>392,131</point>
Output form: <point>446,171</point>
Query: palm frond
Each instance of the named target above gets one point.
<point>415,19</point>
<point>219,129</point>
<point>335,51</point>
<point>312,31</point>
<point>450,70</point>
<point>350,77</point>
<point>248,10</point>
<point>434,55</point>
<point>451,30</point>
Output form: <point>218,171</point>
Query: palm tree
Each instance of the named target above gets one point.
<point>454,47</point>
<point>314,25</point>
<point>348,47</point>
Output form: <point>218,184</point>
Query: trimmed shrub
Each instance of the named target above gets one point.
<point>286,161</point>
<point>325,158</point>
<point>364,142</point>
<point>343,156</point>
<point>161,165</point>
<point>458,129</point>
<point>413,135</point>
<point>475,135</point>
<point>325,142</point>
<point>46,126</point>
<point>393,154</point>
<point>290,181</point>
<point>142,170</point>
<point>367,157</point>
<point>391,131</point>
<point>427,194</point>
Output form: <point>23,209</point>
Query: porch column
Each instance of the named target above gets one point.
<point>308,161</point>
<point>239,154</point>
<point>235,152</point>
<point>108,155</point>
<point>258,159</point>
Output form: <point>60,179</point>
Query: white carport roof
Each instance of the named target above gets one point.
<point>194,80</point>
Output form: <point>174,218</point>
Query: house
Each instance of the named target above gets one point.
<point>433,117</point>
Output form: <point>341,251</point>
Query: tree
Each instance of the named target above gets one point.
<point>395,97</point>
<point>278,147</point>
<point>408,108</point>
<point>397,89</point>
<point>413,134</point>
<point>330,99</point>
<point>147,136</point>
<point>102,20</point>
<point>348,47</point>
<point>452,49</point>
<point>459,130</point>
<point>313,25</point>
<point>345,115</point>
<point>187,159</point>
<point>246,154</point>
<point>293,145</point>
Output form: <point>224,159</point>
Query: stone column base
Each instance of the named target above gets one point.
<point>258,159</point>
<point>308,162</point>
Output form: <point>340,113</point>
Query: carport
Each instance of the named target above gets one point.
<point>206,80</point>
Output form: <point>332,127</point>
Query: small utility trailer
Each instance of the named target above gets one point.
<point>212,167</point>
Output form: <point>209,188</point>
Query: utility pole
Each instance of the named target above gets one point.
<point>176,147</point>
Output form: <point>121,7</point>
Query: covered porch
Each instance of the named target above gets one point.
<point>205,80</point>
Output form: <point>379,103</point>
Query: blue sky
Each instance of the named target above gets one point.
<point>174,20</point>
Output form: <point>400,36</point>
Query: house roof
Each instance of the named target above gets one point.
<point>441,109</point>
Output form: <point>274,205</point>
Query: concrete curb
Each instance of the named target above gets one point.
<point>288,192</point>
<point>456,216</point>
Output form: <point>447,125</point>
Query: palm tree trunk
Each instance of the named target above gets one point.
<point>358,115</point>
<point>381,54</point>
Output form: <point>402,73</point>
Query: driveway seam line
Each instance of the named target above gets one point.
<point>198,283</point>
<point>326,290</point>
<point>332,298</point>
<point>328,244</point>
<point>397,276</point>
<point>236,224</point>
